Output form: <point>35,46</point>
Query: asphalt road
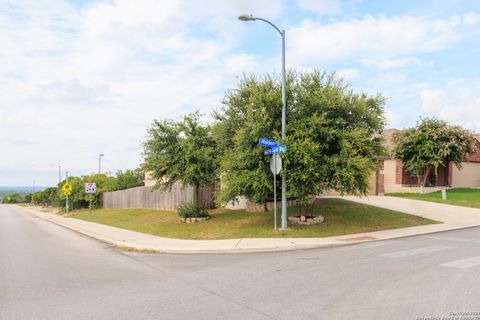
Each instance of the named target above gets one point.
<point>48,272</point>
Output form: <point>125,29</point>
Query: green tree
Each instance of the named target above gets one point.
<point>76,199</point>
<point>13,198</point>
<point>182,151</point>
<point>79,199</point>
<point>431,144</point>
<point>28,198</point>
<point>103,183</point>
<point>49,196</point>
<point>130,178</point>
<point>53,196</point>
<point>332,136</point>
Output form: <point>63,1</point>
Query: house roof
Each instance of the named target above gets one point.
<point>477,136</point>
<point>388,138</point>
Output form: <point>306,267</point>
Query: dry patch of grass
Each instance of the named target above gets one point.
<point>341,217</point>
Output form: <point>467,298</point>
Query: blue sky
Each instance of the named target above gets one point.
<point>79,78</point>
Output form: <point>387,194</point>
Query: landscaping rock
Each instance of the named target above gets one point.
<point>192,220</point>
<point>306,220</point>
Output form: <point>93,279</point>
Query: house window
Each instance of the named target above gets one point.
<point>416,173</point>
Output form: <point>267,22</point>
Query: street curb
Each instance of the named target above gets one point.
<point>128,246</point>
<point>122,245</point>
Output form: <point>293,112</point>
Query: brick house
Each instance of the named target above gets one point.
<point>393,177</point>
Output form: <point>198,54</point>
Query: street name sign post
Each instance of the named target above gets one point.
<point>275,167</point>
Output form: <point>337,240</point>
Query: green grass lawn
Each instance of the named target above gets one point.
<point>466,197</point>
<point>341,217</point>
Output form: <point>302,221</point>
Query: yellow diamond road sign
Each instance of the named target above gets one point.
<point>67,187</point>
<point>67,193</point>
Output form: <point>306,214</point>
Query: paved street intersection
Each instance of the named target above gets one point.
<point>48,272</point>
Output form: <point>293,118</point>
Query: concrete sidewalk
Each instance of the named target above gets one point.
<point>453,217</point>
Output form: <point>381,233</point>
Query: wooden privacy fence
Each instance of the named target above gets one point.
<point>144,197</point>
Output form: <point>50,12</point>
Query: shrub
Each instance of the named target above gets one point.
<point>190,210</point>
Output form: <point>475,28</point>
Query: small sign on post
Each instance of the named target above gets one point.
<point>67,189</point>
<point>275,167</point>
<point>275,164</point>
<point>90,187</point>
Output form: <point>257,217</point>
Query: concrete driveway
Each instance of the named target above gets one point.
<point>450,215</point>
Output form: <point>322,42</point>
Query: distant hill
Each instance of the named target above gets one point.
<point>22,190</point>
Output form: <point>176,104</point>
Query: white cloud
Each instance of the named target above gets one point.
<point>78,81</point>
<point>457,105</point>
<point>321,7</point>
<point>394,119</point>
<point>471,18</point>
<point>385,63</point>
<point>372,37</point>
<point>348,74</point>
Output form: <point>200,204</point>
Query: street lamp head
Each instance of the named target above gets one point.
<point>247,17</point>
<point>101,155</point>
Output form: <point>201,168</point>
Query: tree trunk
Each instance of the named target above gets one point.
<point>197,195</point>
<point>427,171</point>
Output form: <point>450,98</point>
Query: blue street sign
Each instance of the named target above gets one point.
<point>267,143</point>
<point>276,150</point>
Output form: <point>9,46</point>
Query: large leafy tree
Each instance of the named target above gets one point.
<point>130,178</point>
<point>181,151</point>
<point>431,144</point>
<point>332,136</point>
<point>49,196</point>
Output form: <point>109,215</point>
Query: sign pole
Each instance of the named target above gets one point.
<point>275,192</point>
<point>66,177</point>
<point>275,167</point>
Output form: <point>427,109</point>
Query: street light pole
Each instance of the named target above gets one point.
<point>100,162</point>
<point>284,124</point>
<point>246,17</point>
<point>59,174</point>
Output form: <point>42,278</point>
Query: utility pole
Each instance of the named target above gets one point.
<point>100,162</point>
<point>59,174</point>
